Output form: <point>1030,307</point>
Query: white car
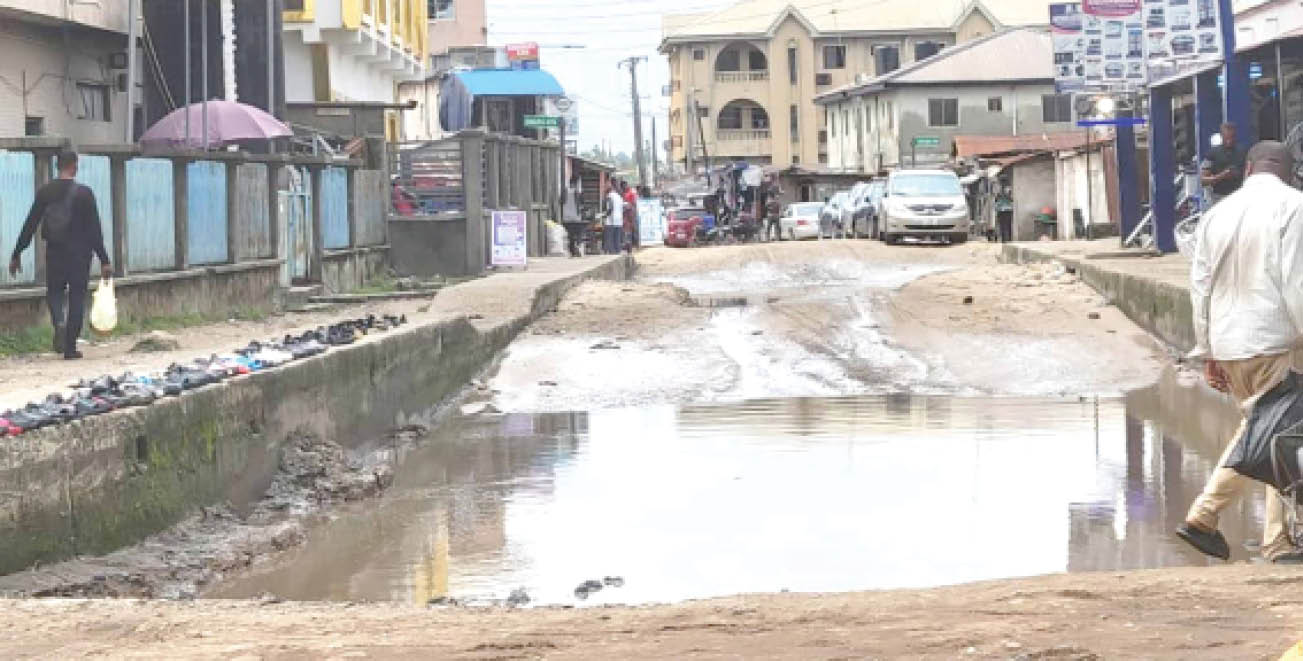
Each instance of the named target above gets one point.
<point>925,204</point>
<point>800,220</point>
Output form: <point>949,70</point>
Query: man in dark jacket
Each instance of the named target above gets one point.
<point>70,225</point>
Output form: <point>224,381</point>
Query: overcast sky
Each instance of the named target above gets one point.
<point>608,31</point>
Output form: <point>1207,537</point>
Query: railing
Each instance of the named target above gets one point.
<point>741,76</point>
<point>742,134</point>
<point>428,178</point>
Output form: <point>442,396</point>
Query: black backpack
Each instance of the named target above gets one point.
<point>56,224</point>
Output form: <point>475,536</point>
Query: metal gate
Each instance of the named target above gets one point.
<point>296,227</point>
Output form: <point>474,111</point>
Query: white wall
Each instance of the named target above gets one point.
<point>421,123</point>
<point>355,80</point>
<point>103,14</point>
<point>50,68</point>
<point>298,69</point>
<point>1072,191</point>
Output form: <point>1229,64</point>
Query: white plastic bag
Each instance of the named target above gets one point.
<point>556,240</point>
<point>104,308</point>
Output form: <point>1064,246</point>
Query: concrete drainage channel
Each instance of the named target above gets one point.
<point>103,483</point>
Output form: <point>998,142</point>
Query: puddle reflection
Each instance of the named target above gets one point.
<point>828,494</point>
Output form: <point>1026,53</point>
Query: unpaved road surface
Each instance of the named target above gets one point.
<point>1242,612</point>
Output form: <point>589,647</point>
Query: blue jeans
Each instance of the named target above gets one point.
<point>612,239</point>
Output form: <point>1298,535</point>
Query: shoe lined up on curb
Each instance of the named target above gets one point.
<point>91,397</point>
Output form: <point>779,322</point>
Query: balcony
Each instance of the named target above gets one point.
<point>742,143</point>
<point>728,77</point>
<point>742,134</point>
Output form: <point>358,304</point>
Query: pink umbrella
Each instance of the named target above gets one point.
<point>228,122</point>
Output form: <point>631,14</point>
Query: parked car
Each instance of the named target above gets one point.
<point>681,226</point>
<point>800,220</point>
<point>835,216</point>
<point>864,215</point>
<point>926,204</point>
<point>877,188</point>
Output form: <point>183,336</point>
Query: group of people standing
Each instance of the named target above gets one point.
<point>620,227</point>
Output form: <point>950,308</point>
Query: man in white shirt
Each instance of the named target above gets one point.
<point>613,228</point>
<point>1247,293</point>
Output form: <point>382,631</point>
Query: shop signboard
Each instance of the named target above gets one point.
<point>1069,46</point>
<point>510,231</point>
<point>1099,45</point>
<point>1181,35</point>
<point>523,55</point>
<point>651,222</point>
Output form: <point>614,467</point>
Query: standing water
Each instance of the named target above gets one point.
<point>820,494</point>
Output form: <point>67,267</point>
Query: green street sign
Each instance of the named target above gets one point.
<point>927,141</point>
<point>542,121</point>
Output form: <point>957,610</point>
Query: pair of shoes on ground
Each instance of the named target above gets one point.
<point>1213,543</point>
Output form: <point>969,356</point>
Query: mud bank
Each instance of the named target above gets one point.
<point>102,483</point>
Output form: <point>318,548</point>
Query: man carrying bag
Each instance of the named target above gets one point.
<point>70,225</point>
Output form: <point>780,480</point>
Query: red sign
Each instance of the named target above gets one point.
<point>522,52</point>
<point>1110,8</point>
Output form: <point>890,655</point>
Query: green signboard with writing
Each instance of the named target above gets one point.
<point>542,121</point>
<point>927,141</point>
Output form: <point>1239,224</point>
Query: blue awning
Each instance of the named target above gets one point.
<point>510,82</point>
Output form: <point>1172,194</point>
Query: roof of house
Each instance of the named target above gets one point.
<point>1012,55</point>
<point>995,145</point>
<point>759,17</point>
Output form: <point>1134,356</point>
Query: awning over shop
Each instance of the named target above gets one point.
<point>458,91</point>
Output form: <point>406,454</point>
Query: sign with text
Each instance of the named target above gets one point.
<point>651,222</point>
<point>927,141</point>
<point>1099,45</point>
<point>1181,34</point>
<point>542,121</point>
<point>522,52</point>
<point>510,231</point>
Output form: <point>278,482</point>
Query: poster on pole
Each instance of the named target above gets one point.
<point>1069,46</point>
<point>1099,45</point>
<point>509,247</point>
<point>651,222</point>
<point>1181,35</point>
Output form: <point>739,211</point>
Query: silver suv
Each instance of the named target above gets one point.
<point>927,204</point>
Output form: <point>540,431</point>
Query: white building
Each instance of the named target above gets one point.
<point>63,70</point>
<point>346,50</point>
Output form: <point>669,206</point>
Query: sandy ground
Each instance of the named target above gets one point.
<point>825,319</point>
<point>1242,612</point>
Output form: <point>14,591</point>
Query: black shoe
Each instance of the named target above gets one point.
<point>1208,543</point>
<point>58,339</point>
<point>72,355</point>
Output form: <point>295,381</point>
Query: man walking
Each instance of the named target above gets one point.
<point>1223,172</point>
<point>1247,294</point>
<point>70,225</point>
<point>612,229</point>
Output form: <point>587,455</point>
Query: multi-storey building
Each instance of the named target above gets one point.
<point>353,50</point>
<point>64,69</point>
<point>750,72</point>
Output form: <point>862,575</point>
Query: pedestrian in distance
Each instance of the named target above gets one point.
<point>1223,171</point>
<point>1004,214</point>
<point>630,216</point>
<point>613,229</point>
<point>1246,290</point>
<point>70,225</point>
<point>571,215</point>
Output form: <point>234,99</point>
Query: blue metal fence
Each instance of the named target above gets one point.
<point>94,172</point>
<point>18,183</point>
<point>151,224</point>
<point>206,206</point>
<point>334,208</point>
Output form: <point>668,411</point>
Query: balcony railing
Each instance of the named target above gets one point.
<point>742,134</point>
<point>741,76</point>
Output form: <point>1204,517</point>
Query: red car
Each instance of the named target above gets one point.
<point>681,226</point>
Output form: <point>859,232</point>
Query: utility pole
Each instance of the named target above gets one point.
<point>637,116</point>
<point>689,140</point>
<point>656,168</point>
<point>131,72</point>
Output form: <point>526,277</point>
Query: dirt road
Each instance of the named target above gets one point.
<point>1244,612</point>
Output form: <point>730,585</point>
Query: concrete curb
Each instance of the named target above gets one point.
<point>102,483</point>
<point>1161,308</point>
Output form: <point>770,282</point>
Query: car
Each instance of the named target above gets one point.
<point>925,204</point>
<point>681,226</point>
<point>800,220</point>
<point>877,188</point>
<point>864,216</point>
<point>835,216</point>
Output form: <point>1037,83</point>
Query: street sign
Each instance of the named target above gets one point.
<point>927,141</point>
<point>542,121</point>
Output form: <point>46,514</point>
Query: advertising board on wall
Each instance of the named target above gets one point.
<point>1181,34</point>
<point>510,231</point>
<point>1099,45</point>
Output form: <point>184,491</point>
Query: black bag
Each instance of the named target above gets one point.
<point>56,224</point>
<point>1277,412</point>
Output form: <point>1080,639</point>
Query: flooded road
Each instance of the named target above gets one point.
<point>812,494</point>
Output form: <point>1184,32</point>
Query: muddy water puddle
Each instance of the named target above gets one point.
<point>815,494</point>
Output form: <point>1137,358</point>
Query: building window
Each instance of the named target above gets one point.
<point>730,117</point>
<point>293,5</point>
<point>995,104</point>
<point>791,65</point>
<point>1056,108</point>
<point>756,61</point>
<point>698,54</point>
<point>729,60</point>
<point>442,10</point>
<point>943,112</point>
<point>823,137</point>
<point>886,59</point>
<point>794,121</point>
<point>759,119</point>
<point>703,111</point>
<point>94,102</point>
<point>795,159</point>
<point>34,126</point>
<point>925,49</point>
<point>834,57</point>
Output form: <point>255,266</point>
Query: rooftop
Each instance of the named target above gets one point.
<point>840,17</point>
<point>1013,55</point>
<point>998,145</point>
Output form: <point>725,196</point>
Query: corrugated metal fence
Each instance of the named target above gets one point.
<point>17,190</point>
<point>151,226</point>
<point>334,208</point>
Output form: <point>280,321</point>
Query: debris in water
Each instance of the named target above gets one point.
<point>605,344</point>
<point>586,588</point>
<point>518,597</point>
<point>968,300</point>
<point>1093,315</point>
<point>614,581</point>
<point>547,383</point>
<point>480,408</point>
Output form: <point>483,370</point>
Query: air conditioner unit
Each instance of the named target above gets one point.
<point>822,79</point>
